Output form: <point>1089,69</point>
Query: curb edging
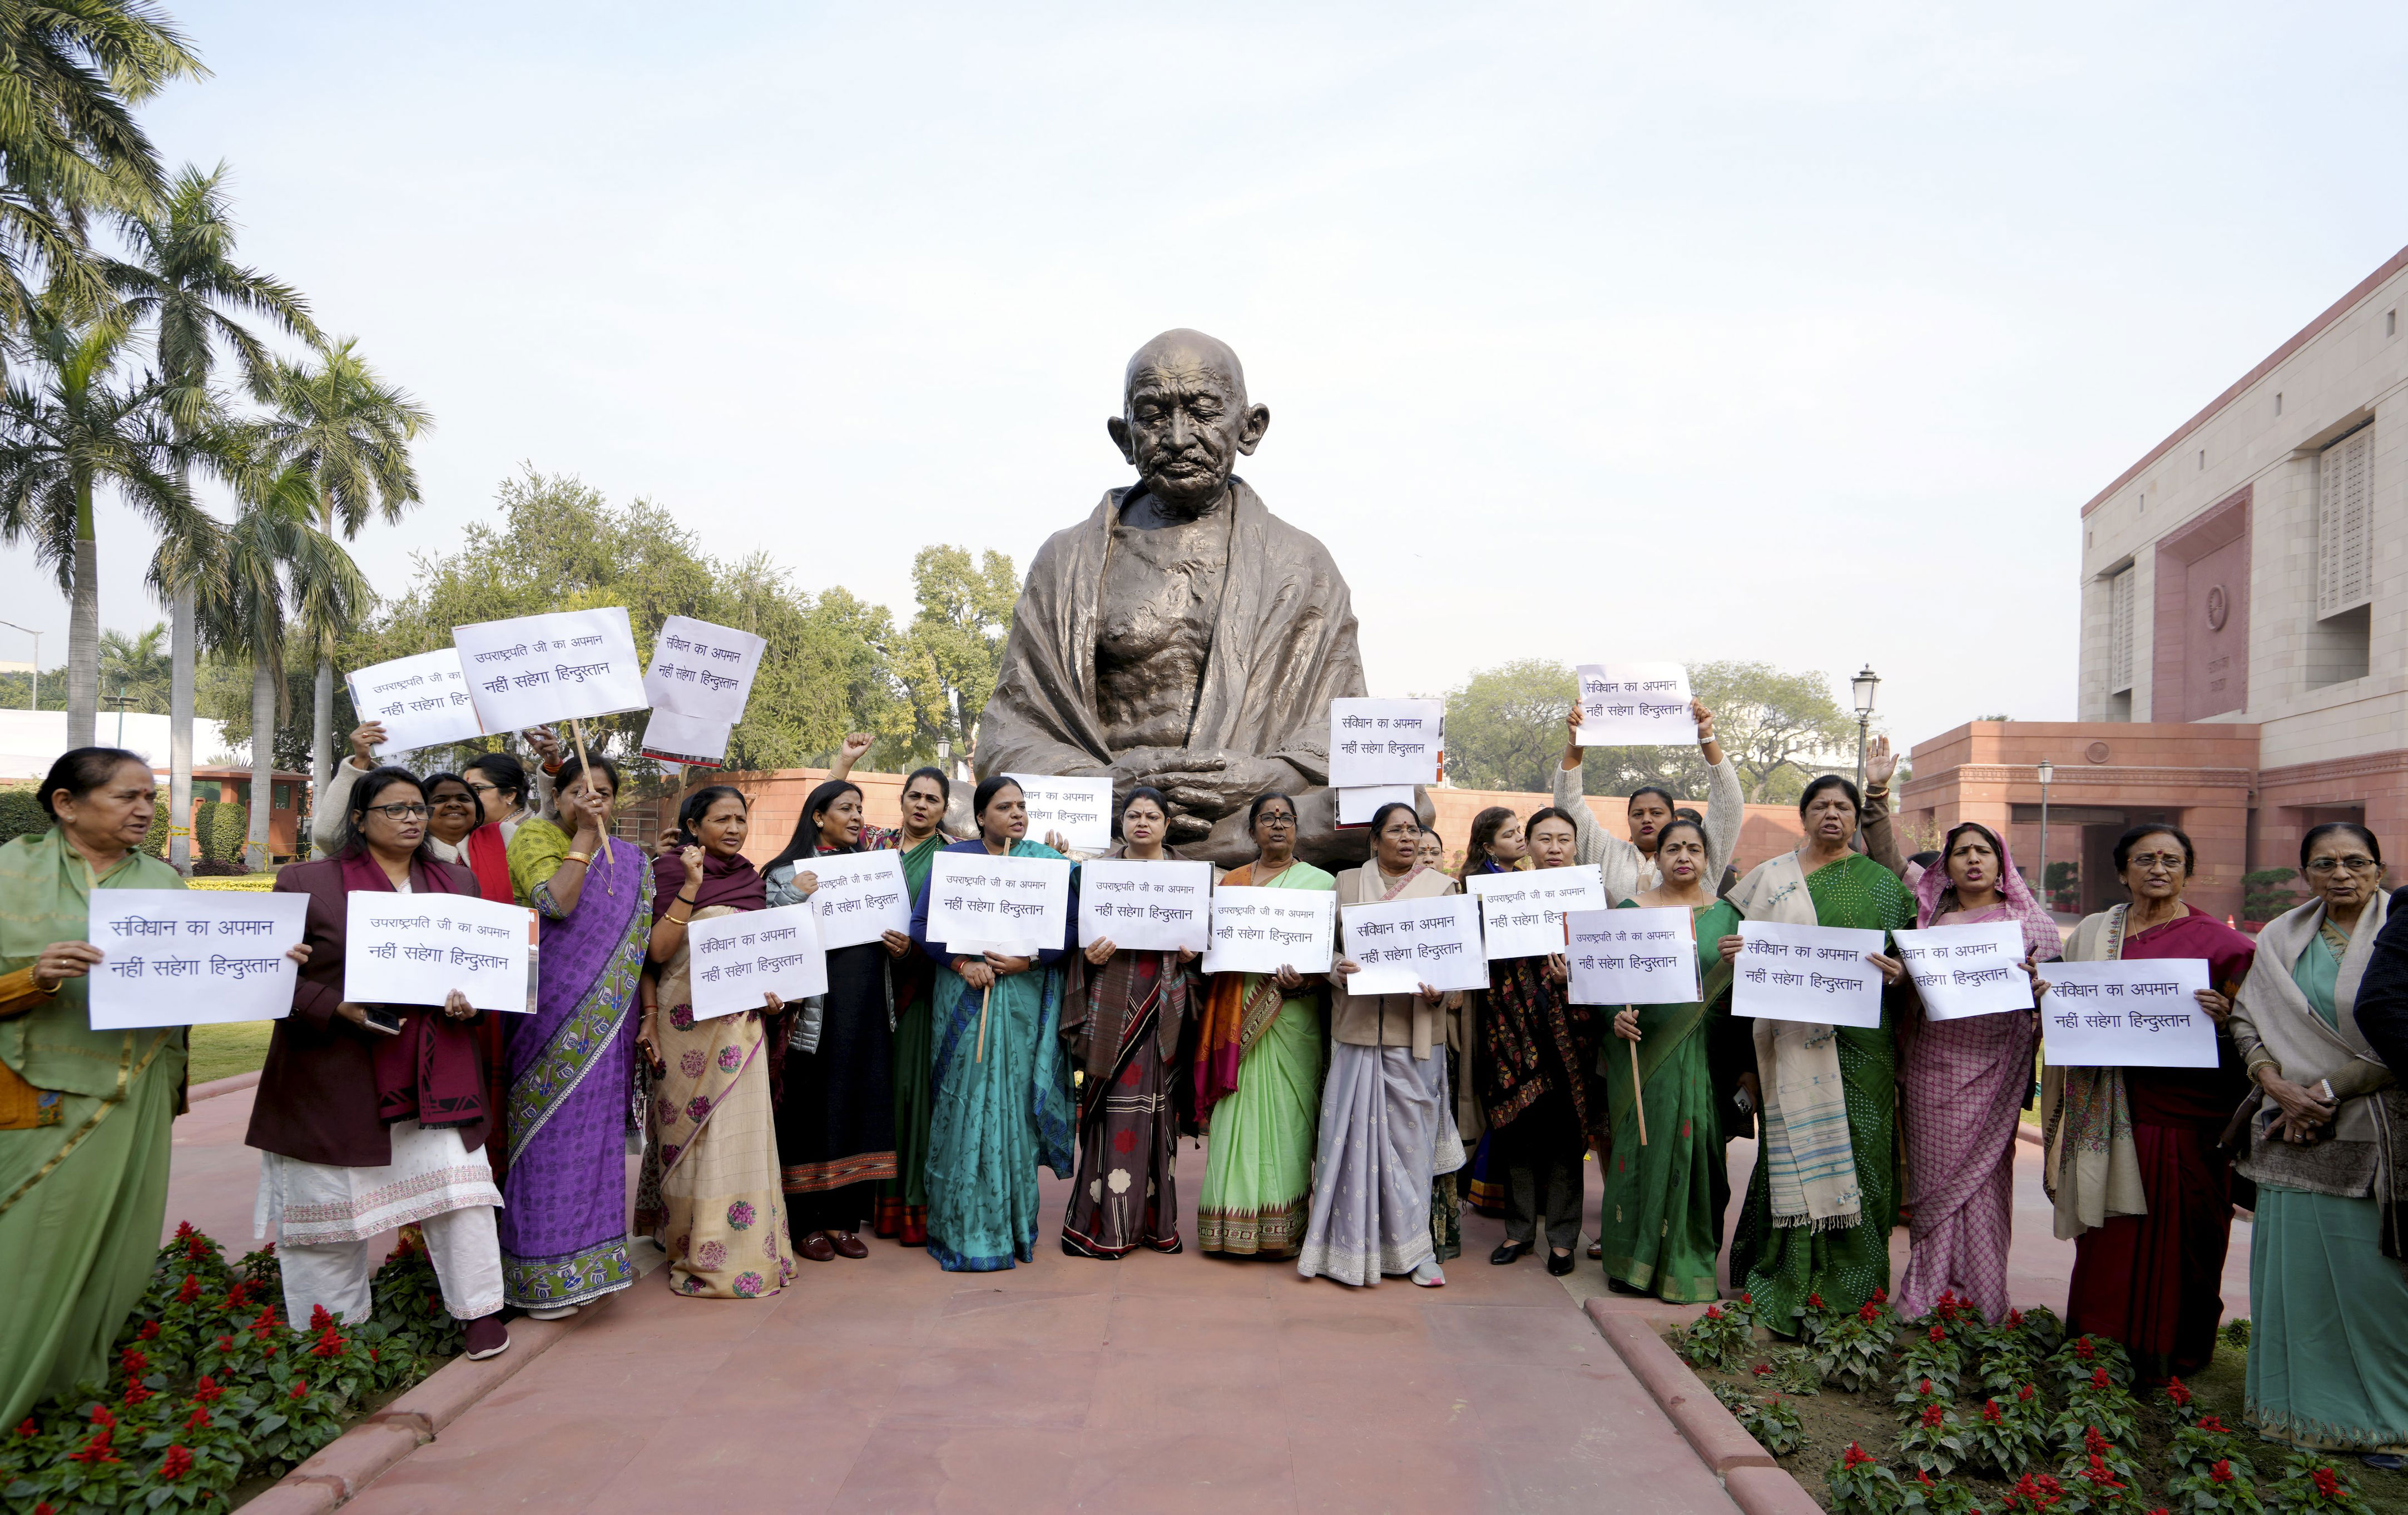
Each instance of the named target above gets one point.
<point>1754,1481</point>
<point>340,1470</point>
<point>232,1084</point>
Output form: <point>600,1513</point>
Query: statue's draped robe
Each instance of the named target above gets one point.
<point>1282,648</point>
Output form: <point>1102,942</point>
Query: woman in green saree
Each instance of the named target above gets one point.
<point>1258,1074</point>
<point>1664,1198</point>
<point>1824,1195</point>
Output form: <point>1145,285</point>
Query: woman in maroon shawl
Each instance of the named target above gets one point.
<point>2133,1161</point>
<point>371,1116</point>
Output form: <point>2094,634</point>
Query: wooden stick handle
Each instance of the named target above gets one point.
<point>577,729</point>
<point>1638,1096</point>
<point>983,996</point>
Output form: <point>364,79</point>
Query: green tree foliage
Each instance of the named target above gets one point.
<point>1505,729</point>
<point>137,667</point>
<point>950,656</point>
<point>560,545</point>
<point>16,692</point>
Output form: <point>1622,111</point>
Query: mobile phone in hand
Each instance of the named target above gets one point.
<point>382,1018</point>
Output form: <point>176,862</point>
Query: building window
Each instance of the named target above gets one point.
<point>2345,507</point>
<point>2391,323</point>
<point>2119,633</point>
<point>281,797</point>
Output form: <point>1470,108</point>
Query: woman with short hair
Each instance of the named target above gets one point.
<point>84,1114</point>
<point>1824,1195</point>
<point>2328,1342</point>
<point>708,1193</point>
<point>2133,1160</point>
<point>372,1117</point>
<point>835,1114</point>
<point>1125,1014</point>
<point>1004,1107</point>
<point>1257,1072</point>
<point>564,1225</point>
<point>1387,1128</point>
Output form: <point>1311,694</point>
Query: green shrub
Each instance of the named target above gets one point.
<point>20,813</point>
<point>220,829</point>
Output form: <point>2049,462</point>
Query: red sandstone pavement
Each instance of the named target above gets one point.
<point>1155,1383</point>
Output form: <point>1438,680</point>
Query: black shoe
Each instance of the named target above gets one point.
<point>1509,1252</point>
<point>1559,1263</point>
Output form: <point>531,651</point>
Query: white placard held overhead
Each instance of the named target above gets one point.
<point>1646,956</point>
<point>1399,945</point>
<point>671,737</point>
<point>1145,907</point>
<point>861,897</point>
<point>738,958</point>
<point>1635,705</point>
<point>1807,973</point>
<point>534,670</point>
<point>1016,904</point>
<point>1380,742</point>
<point>1967,970</point>
<point>421,700</point>
<point>701,670</point>
<point>1356,807</point>
<point>1257,930</point>
<point>1522,913</point>
<point>2134,1013</point>
<point>191,957</point>
<point>1080,809</point>
<point>415,949</point>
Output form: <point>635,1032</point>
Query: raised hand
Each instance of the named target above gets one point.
<point>1881,764</point>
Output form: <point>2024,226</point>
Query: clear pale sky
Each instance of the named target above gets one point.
<point>1794,332</point>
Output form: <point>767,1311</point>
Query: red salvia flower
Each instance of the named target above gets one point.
<point>2328,1483</point>
<point>2221,1472</point>
<point>2015,1318</point>
<point>184,1231</point>
<point>190,1292</point>
<point>198,1420</point>
<point>2024,1392</point>
<point>1856,1456</point>
<point>2209,1422</point>
<point>1881,1296</point>
<point>135,1395</point>
<point>1813,1301</point>
<point>1936,1334</point>
<point>318,1319</point>
<point>149,1332</point>
<point>1714,1312</point>
<point>133,1361</point>
<point>1990,1412</point>
<point>2098,1378</point>
<point>1923,1478</point>
<point>330,1344</point>
<point>1931,1414</point>
<point>28,1428</point>
<point>101,1417</point>
<point>2177,1391</point>
<point>2083,1349</point>
<point>225,1344</point>
<point>177,1463</point>
<point>1746,1298</point>
<point>2092,1442</point>
<point>300,1390</point>
<point>1923,1387</point>
<point>1762,1369</point>
<point>207,1391</point>
<point>197,1248</point>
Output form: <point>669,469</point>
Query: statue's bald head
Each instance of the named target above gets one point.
<point>1184,421</point>
<point>1187,355</point>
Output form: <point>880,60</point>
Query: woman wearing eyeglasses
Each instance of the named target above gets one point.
<point>2328,1349</point>
<point>2132,1161</point>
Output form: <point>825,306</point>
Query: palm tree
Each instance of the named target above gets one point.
<point>58,440</point>
<point>137,667</point>
<point>70,72</point>
<point>350,432</point>
<point>277,573</point>
<point>182,281</point>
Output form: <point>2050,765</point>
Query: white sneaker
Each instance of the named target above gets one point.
<point>554,1312</point>
<point>1429,1275</point>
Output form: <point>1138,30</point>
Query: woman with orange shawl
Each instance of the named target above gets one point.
<point>1258,1074</point>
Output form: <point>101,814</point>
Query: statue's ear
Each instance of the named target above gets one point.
<point>1249,436</point>
<point>1119,427</point>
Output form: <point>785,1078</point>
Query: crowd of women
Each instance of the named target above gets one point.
<point>918,1097</point>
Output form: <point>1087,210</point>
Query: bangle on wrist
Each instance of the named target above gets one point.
<point>578,857</point>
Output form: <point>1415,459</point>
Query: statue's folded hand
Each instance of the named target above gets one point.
<point>1215,783</point>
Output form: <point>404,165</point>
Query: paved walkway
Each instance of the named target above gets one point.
<point>1155,1383</point>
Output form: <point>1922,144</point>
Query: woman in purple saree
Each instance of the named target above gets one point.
<point>564,1219</point>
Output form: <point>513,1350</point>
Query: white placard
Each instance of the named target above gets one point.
<point>421,700</point>
<point>1635,705</point>
<point>1257,930</point>
<point>1967,970</point>
<point>1403,944</point>
<point>1641,957</point>
<point>1807,973</point>
<point>1145,907</point>
<point>1356,807</point>
<point>736,959</point>
<point>861,897</point>
<point>178,957</point>
<point>535,670</point>
<point>1381,742</point>
<point>2135,1013</point>
<point>671,737</point>
<point>1080,809</point>
<point>415,949</point>
<point>976,902</point>
<point>701,670</point>
<point>1522,913</point>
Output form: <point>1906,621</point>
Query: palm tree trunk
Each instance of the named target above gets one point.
<point>322,736</point>
<point>83,629</point>
<point>180,734</point>
<point>262,760</point>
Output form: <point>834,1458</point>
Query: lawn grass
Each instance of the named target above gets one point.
<point>222,1051</point>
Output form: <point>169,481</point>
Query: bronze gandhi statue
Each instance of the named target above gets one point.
<point>1182,636</point>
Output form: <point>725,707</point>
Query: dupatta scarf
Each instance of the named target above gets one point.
<point>1241,1005</point>
<point>1526,1012</point>
<point>1935,896</point>
<point>1810,1160</point>
<point>2274,1021</point>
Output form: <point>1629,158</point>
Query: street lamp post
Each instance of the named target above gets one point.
<point>36,680</point>
<point>2047,772</point>
<point>1862,687</point>
<point>121,700</point>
